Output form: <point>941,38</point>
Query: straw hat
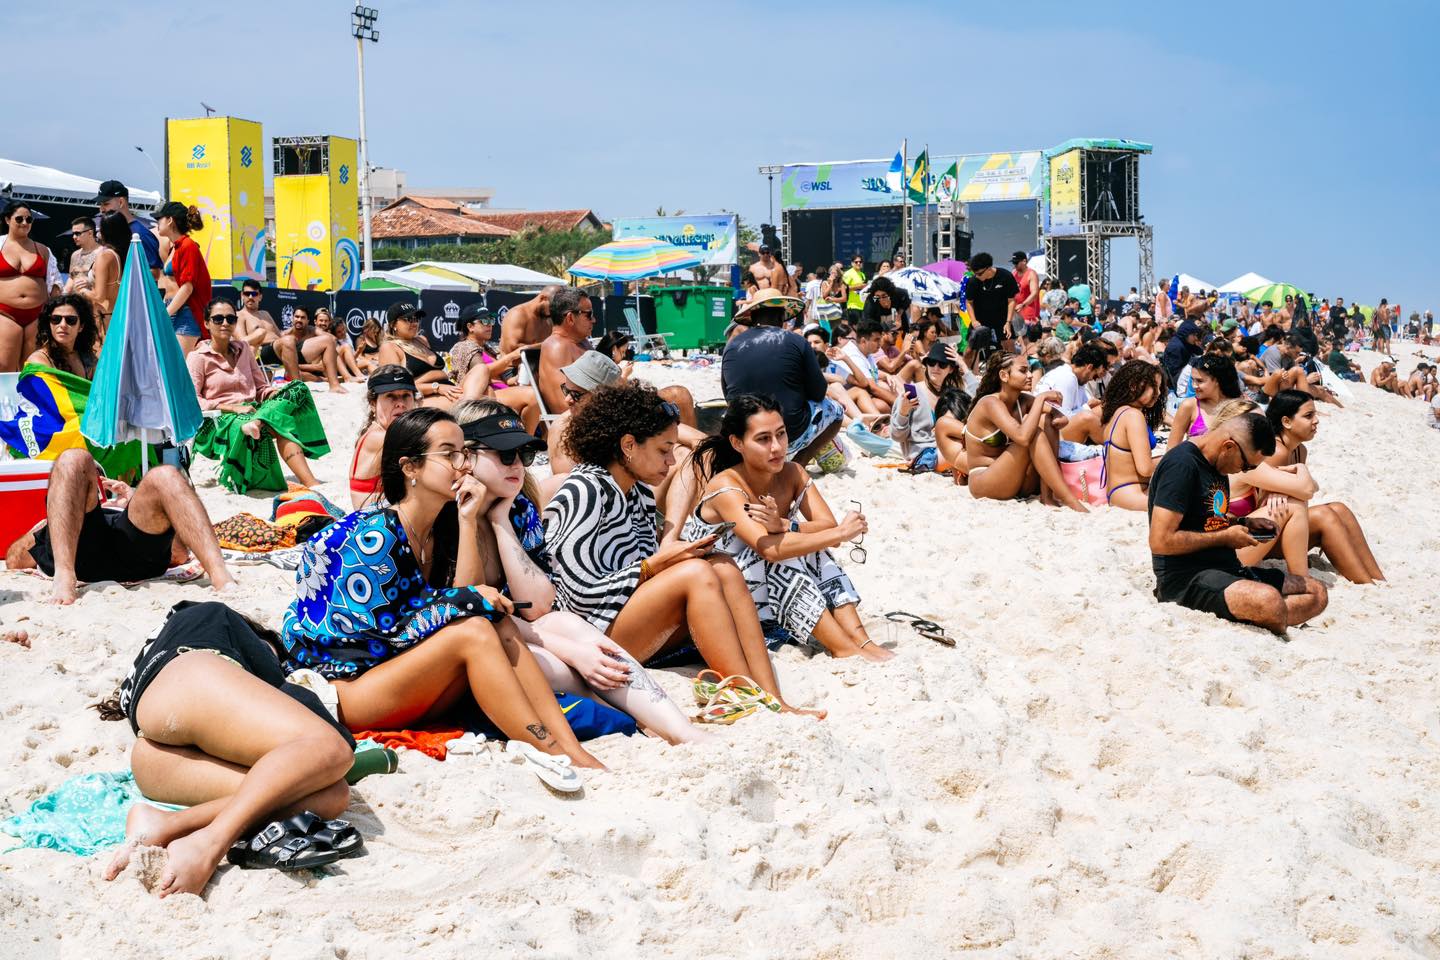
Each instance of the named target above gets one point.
<point>770,297</point>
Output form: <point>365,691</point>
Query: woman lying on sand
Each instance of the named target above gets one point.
<point>1284,479</point>
<point>392,392</point>
<point>1214,380</point>
<point>208,668</point>
<point>1133,409</point>
<point>771,519</point>
<point>1011,438</point>
<point>609,566</point>
<point>398,650</point>
<point>574,656</point>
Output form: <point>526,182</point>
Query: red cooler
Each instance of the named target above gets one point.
<point>22,497</point>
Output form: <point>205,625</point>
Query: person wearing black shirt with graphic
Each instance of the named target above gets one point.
<point>991,294</point>
<point>1193,535</point>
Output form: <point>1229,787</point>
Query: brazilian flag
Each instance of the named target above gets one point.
<point>46,422</point>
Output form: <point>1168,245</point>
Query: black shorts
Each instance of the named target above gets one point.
<point>215,628</point>
<point>110,548</point>
<point>1206,590</point>
<point>268,356</point>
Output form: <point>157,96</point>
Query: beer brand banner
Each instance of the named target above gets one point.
<point>316,224</point>
<point>215,165</point>
<point>714,237</point>
<point>1063,209</point>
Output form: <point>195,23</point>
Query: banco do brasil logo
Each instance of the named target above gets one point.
<point>247,156</point>
<point>344,173</point>
<point>199,152</point>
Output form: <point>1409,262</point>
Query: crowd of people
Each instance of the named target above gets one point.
<point>462,585</point>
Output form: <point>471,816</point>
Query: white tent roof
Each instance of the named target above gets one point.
<point>1246,281</point>
<point>38,184</point>
<point>418,281</point>
<point>487,274</point>
<point>1195,283</point>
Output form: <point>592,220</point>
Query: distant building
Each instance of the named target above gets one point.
<point>417,220</point>
<point>518,220</point>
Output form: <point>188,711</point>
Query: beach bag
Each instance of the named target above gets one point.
<point>832,457</point>
<point>1085,478</point>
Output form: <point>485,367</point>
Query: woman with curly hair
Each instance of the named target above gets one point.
<point>1214,380</point>
<point>1133,409</point>
<point>602,535</point>
<point>66,336</point>
<point>1011,438</point>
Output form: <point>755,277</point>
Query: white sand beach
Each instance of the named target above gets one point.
<point>1087,774</point>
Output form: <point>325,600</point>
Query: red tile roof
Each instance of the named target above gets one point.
<point>414,220</point>
<point>543,219</point>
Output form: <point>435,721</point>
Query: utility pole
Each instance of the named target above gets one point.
<point>770,169</point>
<point>362,27</point>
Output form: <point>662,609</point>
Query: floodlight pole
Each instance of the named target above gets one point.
<point>362,25</point>
<point>770,169</point>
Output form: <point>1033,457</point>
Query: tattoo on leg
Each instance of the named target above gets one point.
<point>538,731</point>
<point>642,682</point>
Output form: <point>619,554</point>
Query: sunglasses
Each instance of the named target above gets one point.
<point>224,319</point>
<point>857,549</point>
<point>249,293</point>
<point>508,457</point>
<point>69,319</point>
<point>584,313</point>
<point>574,396</point>
<point>22,219</point>
<point>1245,465</point>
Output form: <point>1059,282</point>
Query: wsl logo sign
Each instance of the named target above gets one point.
<point>815,186</point>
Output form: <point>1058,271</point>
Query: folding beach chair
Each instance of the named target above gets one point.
<point>527,375</point>
<point>646,342</point>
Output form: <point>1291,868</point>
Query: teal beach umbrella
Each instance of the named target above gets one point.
<point>142,388</point>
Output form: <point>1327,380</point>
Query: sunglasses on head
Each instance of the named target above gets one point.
<point>507,457</point>
<point>69,319</point>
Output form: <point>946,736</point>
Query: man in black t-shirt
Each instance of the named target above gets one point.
<point>991,294</point>
<point>766,360</point>
<point>1193,536</point>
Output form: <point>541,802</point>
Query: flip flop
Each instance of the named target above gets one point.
<point>284,849</point>
<point>928,629</point>
<point>555,772</point>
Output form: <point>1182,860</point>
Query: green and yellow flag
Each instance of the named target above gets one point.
<point>918,186</point>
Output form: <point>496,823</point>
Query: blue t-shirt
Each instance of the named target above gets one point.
<point>149,241</point>
<point>1081,292</point>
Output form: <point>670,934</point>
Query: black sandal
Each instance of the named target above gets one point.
<point>338,834</point>
<point>281,845</point>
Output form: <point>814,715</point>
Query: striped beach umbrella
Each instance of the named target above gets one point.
<point>1276,294</point>
<point>142,389</point>
<point>633,258</point>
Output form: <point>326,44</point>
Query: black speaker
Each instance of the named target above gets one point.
<point>1070,269</point>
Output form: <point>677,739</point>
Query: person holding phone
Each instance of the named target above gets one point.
<point>611,569</point>
<point>1194,535</point>
<point>767,514</point>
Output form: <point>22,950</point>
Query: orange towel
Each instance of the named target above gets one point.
<point>430,742</point>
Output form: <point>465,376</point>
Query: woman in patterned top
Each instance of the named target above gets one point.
<point>575,657</point>
<point>398,650</point>
<point>609,568</point>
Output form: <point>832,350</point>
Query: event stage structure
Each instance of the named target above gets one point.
<point>1091,197</point>
<point>317,224</point>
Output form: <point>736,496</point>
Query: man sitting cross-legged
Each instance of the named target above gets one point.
<point>137,535</point>
<point>1193,535</point>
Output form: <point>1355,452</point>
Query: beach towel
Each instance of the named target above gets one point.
<point>249,534</point>
<point>247,464</point>
<point>305,512</point>
<point>430,741</point>
<point>86,814</point>
<point>46,422</point>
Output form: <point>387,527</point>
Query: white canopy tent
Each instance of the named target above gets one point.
<point>25,181</point>
<point>1246,281</point>
<point>479,275</point>
<point>416,280</point>
<point>1195,283</point>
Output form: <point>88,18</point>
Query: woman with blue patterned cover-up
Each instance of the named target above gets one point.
<point>399,651</point>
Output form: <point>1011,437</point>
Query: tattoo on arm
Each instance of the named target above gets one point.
<point>538,731</point>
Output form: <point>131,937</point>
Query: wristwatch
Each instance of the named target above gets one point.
<point>794,526</point>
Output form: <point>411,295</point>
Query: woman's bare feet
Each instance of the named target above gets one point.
<point>875,653</point>
<point>817,714</point>
<point>190,861</point>
<point>20,638</point>
<point>145,826</point>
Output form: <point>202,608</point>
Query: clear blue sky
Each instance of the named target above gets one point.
<point>1296,140</point>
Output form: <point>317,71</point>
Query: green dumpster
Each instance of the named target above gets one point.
<point>693,316</point>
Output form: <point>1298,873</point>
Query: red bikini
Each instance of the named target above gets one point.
<point>22,315</point>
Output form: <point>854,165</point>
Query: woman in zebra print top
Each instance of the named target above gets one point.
<point>601,531</point>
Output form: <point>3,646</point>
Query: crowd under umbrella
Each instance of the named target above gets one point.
<point>1276,293</point>
<point>142,389</point>
<point>926,288</point>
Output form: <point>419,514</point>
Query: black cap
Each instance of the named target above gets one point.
<point>501,431</point>
<point>173,209</point>
<point>399,311</point>
<point>1017,256</point>
<point>764,248</point>
<point>110,190</point>
<point>388,381</point>
<point>937,354</point>
<point>476,311</point>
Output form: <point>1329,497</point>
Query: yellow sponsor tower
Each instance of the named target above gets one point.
<point>316,213</point>
<point>216,164</point>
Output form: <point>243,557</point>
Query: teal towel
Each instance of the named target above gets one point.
<point>85,815</point>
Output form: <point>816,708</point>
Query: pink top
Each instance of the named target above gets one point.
<point>216,385</point>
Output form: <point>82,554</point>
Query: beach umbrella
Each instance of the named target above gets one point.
<point>925,288</point>
<point>141,389</point>
<point>633,258</point>
<point>950,269</point>
<point>1276,293</point>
